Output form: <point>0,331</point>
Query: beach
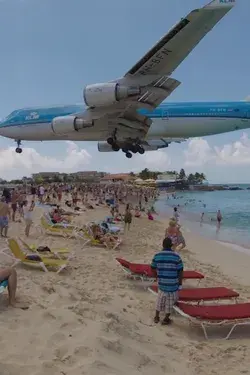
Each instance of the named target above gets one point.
<point>91,319</point>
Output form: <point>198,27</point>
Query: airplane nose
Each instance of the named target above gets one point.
<point>8,132</point>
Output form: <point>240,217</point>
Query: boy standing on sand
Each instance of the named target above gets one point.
<point>168,268</point>
<point>4,217</point>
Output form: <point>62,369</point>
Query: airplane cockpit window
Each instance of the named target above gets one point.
<point>10,116</point>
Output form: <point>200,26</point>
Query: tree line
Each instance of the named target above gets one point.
<point>192,178</point>
<point>145,174</point>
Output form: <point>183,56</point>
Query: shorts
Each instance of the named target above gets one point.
<point>4,222</point>
<point>166,301</point>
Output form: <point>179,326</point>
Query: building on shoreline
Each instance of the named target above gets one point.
<point>118,177</point>
<point>85,176</point>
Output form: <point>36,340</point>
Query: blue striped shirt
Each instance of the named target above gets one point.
<point>168,265</point>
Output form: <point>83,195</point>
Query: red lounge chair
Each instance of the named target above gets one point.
<point>192,275</point>
<point>144,271</point>
<point>124,263</point>
<point>201,294</point>
<point>216,315</point>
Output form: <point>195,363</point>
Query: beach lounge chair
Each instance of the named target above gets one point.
<point>88,232</point>
<point>201,294</point>
<point>57,230</point>
<point>145,273</point>
<point>57,225</point>
<point>206,316</point>
<point>35,260</point>
<point>60,253</point>
<point>111,228</point>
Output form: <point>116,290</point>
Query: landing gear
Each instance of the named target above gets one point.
<point>140,150</point>
<point>134,148</point>
<point>113,143</point>
<point>115,147</point>
<point>19,150</point>
<point>128,155</point>
<point>128,147</point>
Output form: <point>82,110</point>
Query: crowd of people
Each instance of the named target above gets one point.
<point>18,205</point>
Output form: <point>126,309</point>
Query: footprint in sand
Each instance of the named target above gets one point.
<point>83,351</point>
<point>113,345</point>
<point>61,352</point>
<point>55,339</point>
<point>100,368</point>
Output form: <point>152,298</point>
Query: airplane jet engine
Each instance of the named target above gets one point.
<point>68,124</point>
<point>105,94</point>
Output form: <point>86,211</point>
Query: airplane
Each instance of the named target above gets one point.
<point>126,114</point>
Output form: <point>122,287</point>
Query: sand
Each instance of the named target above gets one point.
<point>92,320</point>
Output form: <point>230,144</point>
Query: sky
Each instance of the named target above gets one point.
<point>51,49</point>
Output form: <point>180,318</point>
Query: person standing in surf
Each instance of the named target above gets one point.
<point>219,219</point>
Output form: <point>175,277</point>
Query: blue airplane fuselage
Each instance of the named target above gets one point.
<point>169,120</point>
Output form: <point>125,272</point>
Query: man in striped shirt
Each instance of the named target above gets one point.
<point>168,268</point>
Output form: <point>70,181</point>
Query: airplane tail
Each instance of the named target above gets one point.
<point>247,99</point>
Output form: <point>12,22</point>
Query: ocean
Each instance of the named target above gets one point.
<point>234,206</point>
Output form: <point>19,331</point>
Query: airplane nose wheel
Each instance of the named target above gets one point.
<point>18,149</point>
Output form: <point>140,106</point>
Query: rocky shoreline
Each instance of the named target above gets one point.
<point>217,187</point>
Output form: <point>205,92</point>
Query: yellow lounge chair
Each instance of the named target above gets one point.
<point>60,253</point>
<point>94,242</point>
<point>55,229</point>
<point>44,262</point>
<point>68,231</point>
<point>88,233</point>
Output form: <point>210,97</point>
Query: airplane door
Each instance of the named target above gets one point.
<point>165,115</point>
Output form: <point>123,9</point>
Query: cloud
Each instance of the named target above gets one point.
<point>153,160</point>
<point>199,153</point>
<point>13,165</point>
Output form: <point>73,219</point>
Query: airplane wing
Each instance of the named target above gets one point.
<point>152,73</point>
<point>166,55</point>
